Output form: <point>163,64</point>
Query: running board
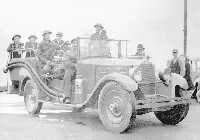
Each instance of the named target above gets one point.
<point>59,103</point>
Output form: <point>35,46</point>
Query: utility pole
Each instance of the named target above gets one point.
<point>185,27</point>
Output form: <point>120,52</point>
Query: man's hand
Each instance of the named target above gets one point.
<point>48,62</point>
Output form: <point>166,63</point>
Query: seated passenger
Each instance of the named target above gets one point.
<point>15,46</point>
<point>65,46</point>
<point>70,72</point>
<point>31,44</point>
<point>140,50</point>
<point>46,50</point>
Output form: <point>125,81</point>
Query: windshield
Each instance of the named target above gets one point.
<point>102,48</point>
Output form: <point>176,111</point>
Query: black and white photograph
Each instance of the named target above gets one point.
<point>99,70</point>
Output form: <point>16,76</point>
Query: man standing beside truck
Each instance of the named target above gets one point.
<point>176,64</point>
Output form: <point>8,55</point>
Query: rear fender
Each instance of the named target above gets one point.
<point>125,81</point>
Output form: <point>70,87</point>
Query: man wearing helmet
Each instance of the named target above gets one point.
<point>46,50</point>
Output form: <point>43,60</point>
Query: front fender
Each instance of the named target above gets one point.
<point>124,80</point>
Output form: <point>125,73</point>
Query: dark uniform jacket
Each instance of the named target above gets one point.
<point>63,46</point>
<point>14,46</point>
<point>177,67</point>
<point>99,36</point>
<point>46,50</point>
<point>31,45</point>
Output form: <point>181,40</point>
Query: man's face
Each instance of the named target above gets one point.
<point>175,54</point>
<point>140,50</point>
<point>47,36</point>
<point>32,39</point>
<point>98,29</point>
<point>59,37</point>
<point>16,39</point>
<point>182,58</point>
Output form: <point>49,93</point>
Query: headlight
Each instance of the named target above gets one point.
<point>136,74</point>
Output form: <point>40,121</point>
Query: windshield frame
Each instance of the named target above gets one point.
<point>119,47</point>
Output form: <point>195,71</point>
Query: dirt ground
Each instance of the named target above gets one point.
<point>56,122</point>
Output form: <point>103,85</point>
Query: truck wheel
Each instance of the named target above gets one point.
<point>31,97</point>
<point>173,116</point>
<point>116,109</point>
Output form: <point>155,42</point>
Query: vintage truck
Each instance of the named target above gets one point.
<point>119,86</point>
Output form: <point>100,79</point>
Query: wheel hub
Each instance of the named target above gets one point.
<point>114,107</point>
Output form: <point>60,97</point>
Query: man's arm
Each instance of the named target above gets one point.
<point>182,67</point>
<point>9,48</point>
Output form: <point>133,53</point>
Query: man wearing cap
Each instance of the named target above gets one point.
<point>63,45</point>
<point>100,33</point>
<point>99,47</point>
<point>46,50</point>
<point>176,64</point>
<point>140,50</point>
<point>16,44</point>
<point>32,42</point>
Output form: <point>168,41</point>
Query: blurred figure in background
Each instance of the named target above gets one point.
<point>140,50</point>
<point>65,46</point>
<point>187,72</point>
<point>58,39</point>
<point>176,64</point>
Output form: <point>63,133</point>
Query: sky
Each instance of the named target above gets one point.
<point>157,24</point>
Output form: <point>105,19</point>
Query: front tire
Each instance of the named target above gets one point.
<point>175,115</point>
<point>31,92</point>
<point>116,108</point>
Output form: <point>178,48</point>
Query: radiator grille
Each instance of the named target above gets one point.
<point>148,75</point>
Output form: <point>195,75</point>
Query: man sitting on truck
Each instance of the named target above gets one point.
<point>14,46</point>
<point>46,50</point>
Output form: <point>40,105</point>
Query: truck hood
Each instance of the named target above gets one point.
<point>115,62</point>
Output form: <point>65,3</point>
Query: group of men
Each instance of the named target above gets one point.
<point>180,65</point>
<point>46,49</point>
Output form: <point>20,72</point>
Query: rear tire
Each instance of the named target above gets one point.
<point>31,92</point>
<point>116,108</point>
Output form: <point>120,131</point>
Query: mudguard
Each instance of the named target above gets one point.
<point>124,80</point>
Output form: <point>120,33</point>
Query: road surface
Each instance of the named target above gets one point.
<point>58,123</point>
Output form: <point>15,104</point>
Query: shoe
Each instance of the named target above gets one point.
<point>66,100</point>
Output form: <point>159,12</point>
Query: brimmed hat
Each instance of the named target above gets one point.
<point>46,32</point>
<point>73,40</point>
<point>16,36</point>
<point>140,46</point>
<point>32,36</point>
<point>175,50</point>
<point>59,33</point>
<point>98,25</point>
